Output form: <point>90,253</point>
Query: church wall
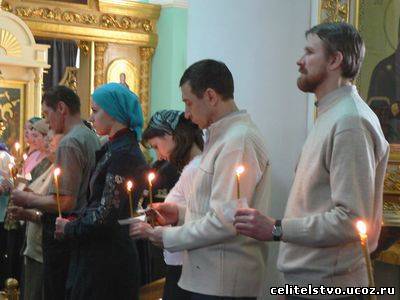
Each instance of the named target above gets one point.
<point>260,42</point>
<point>169,60</point>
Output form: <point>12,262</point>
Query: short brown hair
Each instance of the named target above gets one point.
<point>342,37</point>
<point>209,73</point>
<point>62,93</point>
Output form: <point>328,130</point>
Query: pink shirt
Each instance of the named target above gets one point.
<point>32,161</point>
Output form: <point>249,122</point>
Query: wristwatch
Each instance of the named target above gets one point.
<point>277,230</point>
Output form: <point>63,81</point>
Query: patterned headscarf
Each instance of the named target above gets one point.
<point>121,104</point>
<point>165,120</point>
<point>33,120</point>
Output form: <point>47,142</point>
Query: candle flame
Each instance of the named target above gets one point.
<point>25,156</point>
<point>17,146</point>
<point>361,227</point>
<point>151,177</point>
<point>239,170</point>
<point>57,172</point>
<point>129,186</point>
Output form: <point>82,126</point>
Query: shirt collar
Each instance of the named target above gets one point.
<point>216,128</point>
<point>331,98</point>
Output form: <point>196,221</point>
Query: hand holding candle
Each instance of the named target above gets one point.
<point>13,173</point>
<point>56,173</point>
<point>129,186</point>
<point>239,171</point>
<point>362,230</point>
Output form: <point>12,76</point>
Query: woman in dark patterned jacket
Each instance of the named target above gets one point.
<point>104,262</point>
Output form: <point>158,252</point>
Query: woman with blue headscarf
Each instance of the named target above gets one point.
<point>105,263</point>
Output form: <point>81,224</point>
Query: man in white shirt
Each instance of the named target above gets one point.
<point>339,177</point>
<point>218,264</point>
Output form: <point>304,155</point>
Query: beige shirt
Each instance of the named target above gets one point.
<point>339,179</point>
<point>217,261</point>
<point>34,248</point>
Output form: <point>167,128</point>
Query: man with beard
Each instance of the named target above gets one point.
<point>339,177</point>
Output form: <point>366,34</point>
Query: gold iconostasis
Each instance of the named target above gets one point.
<point>116,39</point>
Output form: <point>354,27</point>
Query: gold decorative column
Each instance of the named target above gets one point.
<point>38,91</point>
<point>84,47</point>
<point>146,53</point>
<point>100,49</point>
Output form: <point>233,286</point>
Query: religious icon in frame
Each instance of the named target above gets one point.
<point>379,80</point>
<point>124,72</point>
<point>12,115</point>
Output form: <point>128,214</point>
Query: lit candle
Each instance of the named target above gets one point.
<point>17,148</point>
<point>151,178</point>
<point>239,171</point>
<point>362,230</point>
<point>129,186</point>
<point>56,173</point>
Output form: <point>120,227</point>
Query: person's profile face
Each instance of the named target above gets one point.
<point>122,77</point>
<point>53,118</point>
<point>163,146</point>
<point>312,65</point>
<point>101,121</point>
<point>28,132</point>
<point>38,140</point>
<point>195,108</point>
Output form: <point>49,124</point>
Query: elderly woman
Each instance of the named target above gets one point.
<point>104,262</point>
<point>32,139</point>
<point>33,252</point>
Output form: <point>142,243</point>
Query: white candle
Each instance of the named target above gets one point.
<point>129,186</point>
<point>56,173</point>
<point>150,178</point>
<point>239,171</point>
<point>362,230</point>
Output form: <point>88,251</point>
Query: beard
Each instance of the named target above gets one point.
<point>308,83</point>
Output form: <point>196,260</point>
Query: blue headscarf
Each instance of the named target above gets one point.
<point>121,104</point>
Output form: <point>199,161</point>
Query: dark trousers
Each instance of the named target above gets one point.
<point>171,289</point>
<point>56,256</point>
<point>33,278</point>
<point>14,260</point>
<point>196,296</point>
<point>3,255</point>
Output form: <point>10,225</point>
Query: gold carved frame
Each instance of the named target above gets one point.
<point>95,25</point>
<point>6,100</point>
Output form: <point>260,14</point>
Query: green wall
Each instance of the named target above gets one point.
<point>169,61</point>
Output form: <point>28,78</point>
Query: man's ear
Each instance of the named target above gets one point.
<point>62,108</point>
<point>212,96</point>
<point>335,61</point>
